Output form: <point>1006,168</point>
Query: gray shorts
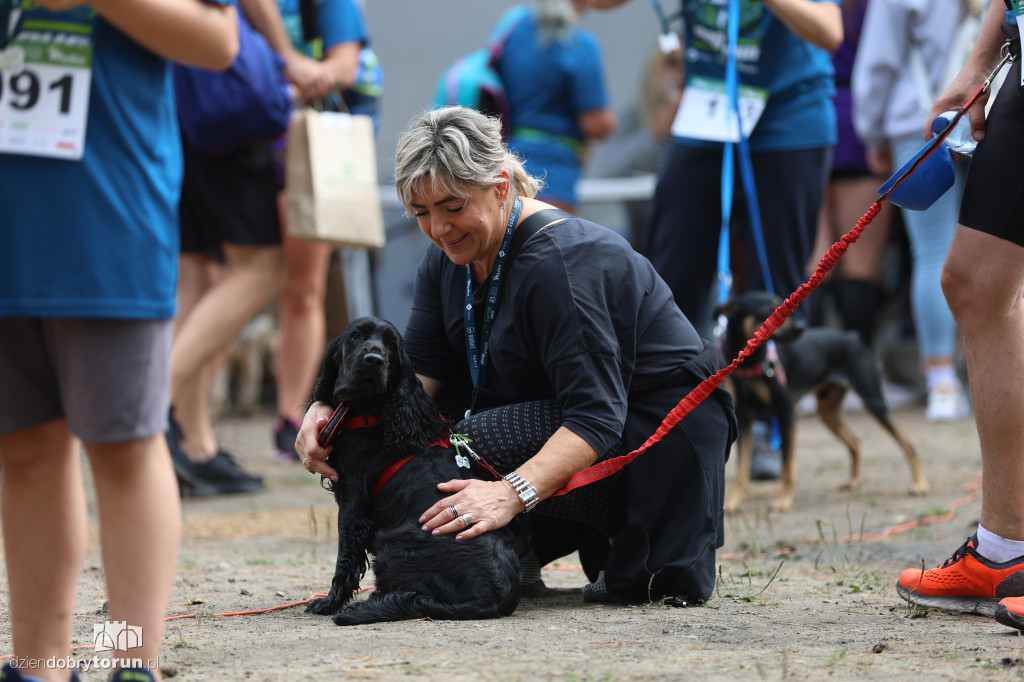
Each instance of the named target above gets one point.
<point>108,378</point>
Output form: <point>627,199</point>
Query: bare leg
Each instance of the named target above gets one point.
<point>850,199</point>
<point>42,502</point>
<point>251,279</point>
<point>140,529</point>
<point>987,304</point>
<point>302,326</point>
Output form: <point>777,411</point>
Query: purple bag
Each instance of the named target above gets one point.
<point>250,102</point>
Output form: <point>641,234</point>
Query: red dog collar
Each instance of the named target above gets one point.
<point>339,421</point>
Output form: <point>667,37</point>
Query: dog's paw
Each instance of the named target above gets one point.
<point>323,606</point>
<point>851,485</point>
<point>782,503</point>
<point>920,488</point>
<point>732,503</point>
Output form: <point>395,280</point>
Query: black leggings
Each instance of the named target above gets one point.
<point>653,526</point>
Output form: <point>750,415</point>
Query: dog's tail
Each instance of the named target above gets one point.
<point>395,606</point>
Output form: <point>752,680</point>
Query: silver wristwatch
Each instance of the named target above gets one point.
<point>527,493</point>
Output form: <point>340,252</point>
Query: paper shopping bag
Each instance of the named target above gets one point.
<point>331,180</point>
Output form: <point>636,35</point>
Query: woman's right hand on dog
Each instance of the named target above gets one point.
<point>314,457</point>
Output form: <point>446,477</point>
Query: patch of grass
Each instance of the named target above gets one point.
<point>863,582</point>
<point>935,511</point>
<point>846,556</point>
<point>255,560</point>
<point>835,657</point>
<point>748,592</point>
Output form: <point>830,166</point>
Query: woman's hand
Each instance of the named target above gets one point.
<point>488,504</point>
<point>314,457</point>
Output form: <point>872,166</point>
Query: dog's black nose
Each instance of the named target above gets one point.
<point>373,359</point>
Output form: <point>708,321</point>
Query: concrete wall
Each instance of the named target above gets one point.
<point>417,39</point>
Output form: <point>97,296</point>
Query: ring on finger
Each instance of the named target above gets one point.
<point>467,519</point>
<point>455,513</point>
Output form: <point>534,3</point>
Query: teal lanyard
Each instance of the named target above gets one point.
<point>732,93</point>
<point>477,351</point>
<point>6,30</point>
<point>746,171</point>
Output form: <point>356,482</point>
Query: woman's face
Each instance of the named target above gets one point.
<point>468,225</point>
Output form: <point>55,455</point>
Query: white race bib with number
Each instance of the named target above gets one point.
<point>704,113</point>
<point>44,92</point>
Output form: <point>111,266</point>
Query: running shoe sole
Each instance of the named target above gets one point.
<point>1007,617</point>
<point>981,606</point>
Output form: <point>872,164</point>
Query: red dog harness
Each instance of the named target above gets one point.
<point>339,421</point>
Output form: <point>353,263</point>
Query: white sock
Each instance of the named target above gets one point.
<point>997,549</point>
<point>940,375</point>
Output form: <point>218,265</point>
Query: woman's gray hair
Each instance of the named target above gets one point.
<point>451,148</point>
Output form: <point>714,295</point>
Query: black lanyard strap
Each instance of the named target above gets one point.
<point>476,350</point>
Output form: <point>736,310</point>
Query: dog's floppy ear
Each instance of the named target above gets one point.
<point>413,419</point>
<point>323,389</point>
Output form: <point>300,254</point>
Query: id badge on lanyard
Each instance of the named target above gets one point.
<point>704,113</point>
<point>45,78</point>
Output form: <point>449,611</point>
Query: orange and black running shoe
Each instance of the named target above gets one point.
<point>966,582</point>
<point>1010,611</point>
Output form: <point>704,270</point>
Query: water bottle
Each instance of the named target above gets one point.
<point>959,139</point>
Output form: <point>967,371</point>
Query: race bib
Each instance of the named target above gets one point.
<point>45,77</point>
<point>704,113</point>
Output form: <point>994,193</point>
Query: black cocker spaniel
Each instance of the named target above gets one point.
<point>390,449</point>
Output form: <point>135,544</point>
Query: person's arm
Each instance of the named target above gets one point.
<point>597,124</point>
<point>431,386</point>
<point>983,59</point>
<point>344,32</point>
<point>187,31</point>
<point>819,23</point>
<point>308,75</point>
<point>880,59</point>
<point>342,63</point>
<point>494,504</point>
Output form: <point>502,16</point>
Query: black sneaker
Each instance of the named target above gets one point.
<point>285,433</point>
<point>190,483</point>
<point>766,461</point>
<point>597,591</point>
<point>223,474</point>
<point>10,674</point>
<point>530,583</point>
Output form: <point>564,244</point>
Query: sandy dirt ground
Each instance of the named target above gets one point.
<point>801,595</point>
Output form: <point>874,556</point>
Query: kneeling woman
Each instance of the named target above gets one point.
<point>575,353</point>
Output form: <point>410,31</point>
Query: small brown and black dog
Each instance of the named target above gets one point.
<point>825,361</point>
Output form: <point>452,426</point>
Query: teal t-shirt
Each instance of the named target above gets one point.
<point>798,76</point>
<point>97,237</point>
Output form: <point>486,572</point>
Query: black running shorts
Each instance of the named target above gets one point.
<point>229,198</point>
<point>993,200</point>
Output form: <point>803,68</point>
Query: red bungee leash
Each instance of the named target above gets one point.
<point>828,261</point>
<point>699,393</point>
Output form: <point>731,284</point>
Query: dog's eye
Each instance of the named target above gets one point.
<point>355,335</point>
